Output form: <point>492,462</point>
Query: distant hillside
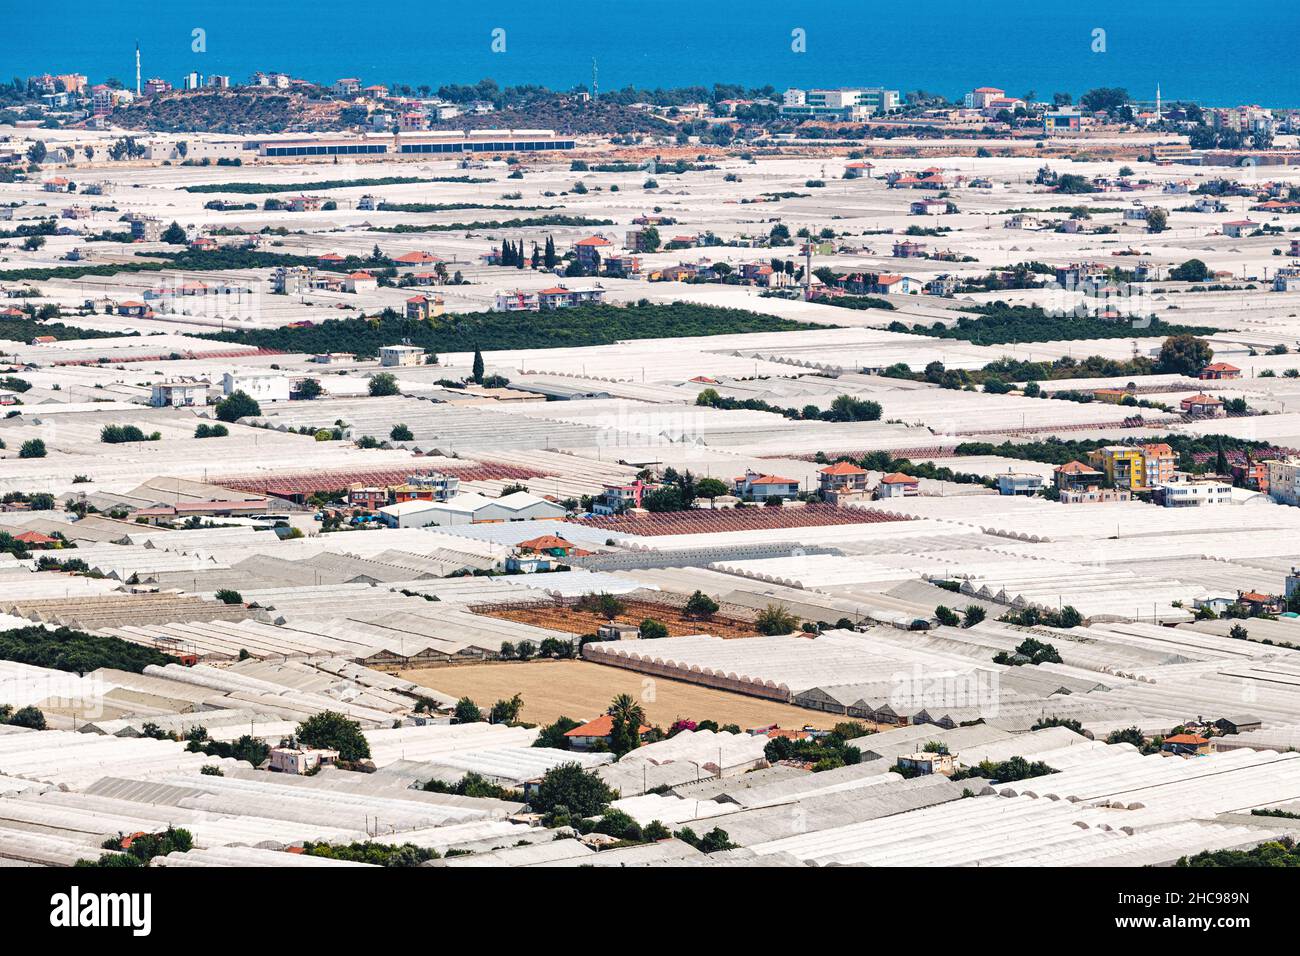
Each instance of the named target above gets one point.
<point>259,110</point>
<point>231,111</point>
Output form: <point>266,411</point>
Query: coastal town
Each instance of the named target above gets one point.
<point>480,476</point>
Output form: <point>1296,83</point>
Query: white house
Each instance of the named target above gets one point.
<point>929,207</point>
<point>360,282</point>
<point>898,485</point>
<point>752,485</point>
<point>179,393</point>
<point>398,356</point>
<point>899,285</point>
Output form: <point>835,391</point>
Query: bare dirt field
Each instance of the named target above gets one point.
<point>557,617</point>
<point>582,690</point>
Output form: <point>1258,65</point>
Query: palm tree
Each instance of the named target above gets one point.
<point>625,708</point>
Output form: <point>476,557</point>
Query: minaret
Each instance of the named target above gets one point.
<point>137,69</point>
<point>595,81</point>
<point>807,267</point>
<point>1158,103</point>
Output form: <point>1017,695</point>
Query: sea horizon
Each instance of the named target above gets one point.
<point>1024,47</point>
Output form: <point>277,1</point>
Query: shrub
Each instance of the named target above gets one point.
<point>652,629</point>
<point>946,616</point>
<point>775,619</point>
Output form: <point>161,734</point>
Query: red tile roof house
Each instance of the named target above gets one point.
<point>755,487</point>
<point>1238,228</point>
<point>416,259</point>
<point>842,479</point>
<point>1202,406</point>
<point>899,285</point>
<point>34,539</point>
<point>551,544</point>
<point>595,733</point>
<point>590,250</point>
<point>361,281</point>
<point>898,485</point>
<point>1076,474</point>
<point>1186,745</point>
<point>134,310</point>
<point>1220,370</point>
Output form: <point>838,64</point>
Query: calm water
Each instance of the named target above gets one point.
<point>1198,49</point>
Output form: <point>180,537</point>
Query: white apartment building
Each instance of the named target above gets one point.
<point>849,103</point>
<point>1184,491</point>
<point>1282,480</point>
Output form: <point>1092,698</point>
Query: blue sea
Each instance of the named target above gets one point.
<point>1210,51</point>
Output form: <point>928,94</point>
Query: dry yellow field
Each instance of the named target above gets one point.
<point>582,690</point>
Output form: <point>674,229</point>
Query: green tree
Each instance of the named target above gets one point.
<point>1193,270</point>
<point>401,433</point>
<point>383,383</point>
<point>32,448</point>
<point>711,488</point>
<point>1184,355</point>
<point>946,616</point>
<point>333,731</point>
<point>700,604</point>
<point>569,786</point>
<point>972,615</point>
<point>228,596</point>
<point>603,603</point>
<point>775,619</point>
<point>309,389</point>
<point>1105,99</point>
<point>552,735</point>
<point>506,711</point>
<point>238,404</point>
<point>174,234</point>
<point>478,368</point>
<point>467,712</point>
<point>29,717</point>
